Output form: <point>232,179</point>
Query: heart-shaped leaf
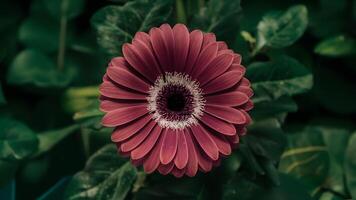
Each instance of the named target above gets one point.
<point>117,25</point>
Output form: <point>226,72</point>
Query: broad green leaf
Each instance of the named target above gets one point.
<point>2,98</point>
<point>69,8</point>
<point>105,176</point>
<point>220,17</point>
<point>279,77</point>
<point>336,140</point>
<point>330,196</point>
<point>17,141</point>
<point>50,138</point>
<point>266,109</point>
<point>116,25</point>
<point>265,138</point>
<point>337,46</point>
<point>306,158</point>
<point>350,165</point>
<point>40,33</point>
<point>241,188</point>
<point>34,68</point>
<point>281,29</point>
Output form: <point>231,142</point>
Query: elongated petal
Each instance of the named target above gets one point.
<point>181,39</point>
<point>123,115</point>
<point>225,113</point>
<point>196,41</point>
<point>127,79</point>
<point>181,158</point>
<point>169,147</point>
<point>218,125</point>
<point>206,143</point>
<point>110,90</point>
<point>228,99</point>
<point>121,133</point>
<point>147,145</point>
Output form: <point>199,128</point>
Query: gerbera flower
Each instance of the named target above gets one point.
<point>177,100</point>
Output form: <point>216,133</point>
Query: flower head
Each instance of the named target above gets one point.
<point>177,100</point>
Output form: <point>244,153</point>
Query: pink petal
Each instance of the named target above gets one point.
<point>237,58</point>
<point>225,51</point>
<point>205,164</point>
<point>223,82</point>
<point>143,37</point>
<point>147,144</point>
<point>121,133</point>
<point>218,66</point>
<point>238,67</point>
<point>107,105</point>
<point>146,52</point>
<point>218,125</point>
<point>247,106</point>
<point>138,138</point>
<point>195,44</point>
<point>245,82</point>
<point>110,90</point>
<point>181,36</point>
<point>178,173</point>
<point>137,60</point>
<point>160,48</point>
<point>152,161</point>
<point>228,99</point>
<point>123,115</point>
<point>225,113</point>
<point>169,147</point>
<point>208,39</point>
<point>247,116</point>
<point>205,142</point>
<point>166,169</point>
<point>245,89</point>
<point>119,62</point>
<point>222,144</point>
<point>222,46</point>
<point>181,158</point>
<point>127,79</point>
<point>192,165</point>
<point>206,56</point>
<point>169,41</point>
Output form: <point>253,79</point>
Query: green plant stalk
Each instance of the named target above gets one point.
<point>62,35</point>
<point>181,16</point>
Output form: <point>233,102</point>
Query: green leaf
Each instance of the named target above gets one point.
<point>72,8</point>
<point>241,188</point>
<point>17,141</point>
<point>306,158</point>
<point>267,109</point>
<point>50,138</point>
<point>337,46</point>
<point>220,17</point>
<point>279,77</point>
<point>33,67</point>
<point>278,29</point>
<point>336,140</point>
<point>106,176</point>
<point>330,196</point>
<point>40,33</point>
<point>116,25</point>
<point>350,165</point>
<point>2,98</point>
<point>266,139</point>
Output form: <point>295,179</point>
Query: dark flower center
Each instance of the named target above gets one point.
<point>175,102</point>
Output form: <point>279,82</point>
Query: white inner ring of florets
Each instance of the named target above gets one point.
<point>178,79</point>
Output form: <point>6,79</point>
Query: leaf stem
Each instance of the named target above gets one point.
<point>181,17</point>
<point>62,35</point>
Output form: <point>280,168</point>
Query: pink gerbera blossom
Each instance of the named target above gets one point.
<point>177,100</point>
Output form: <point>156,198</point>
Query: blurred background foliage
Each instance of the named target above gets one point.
<point>300,58</point>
